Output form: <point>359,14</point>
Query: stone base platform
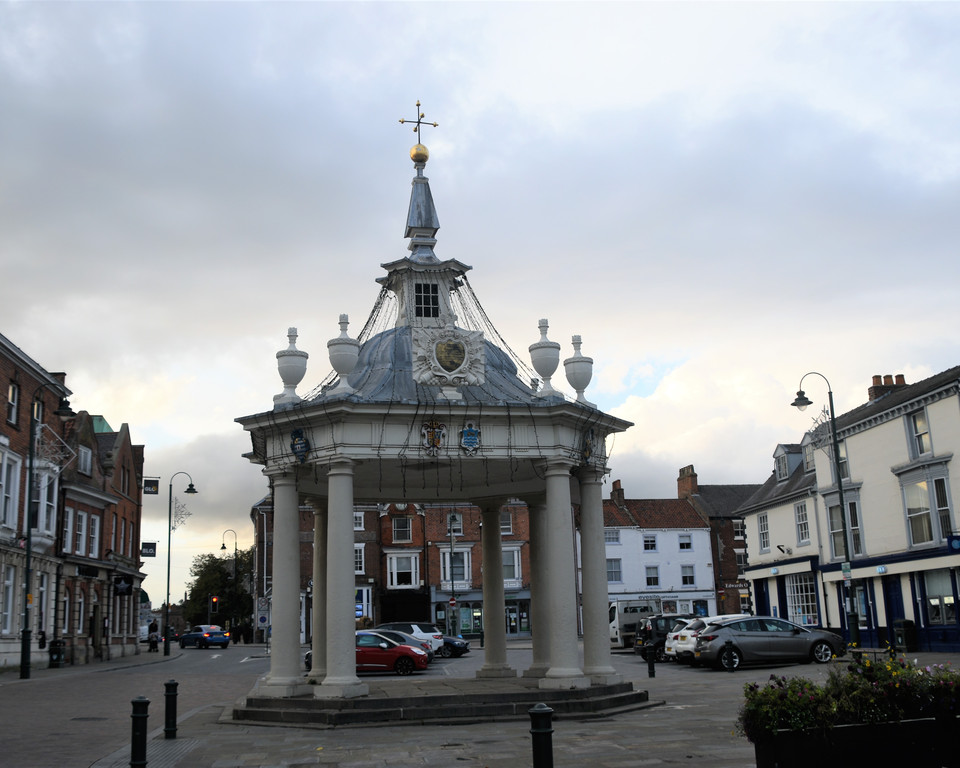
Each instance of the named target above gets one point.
<point>429,701</point>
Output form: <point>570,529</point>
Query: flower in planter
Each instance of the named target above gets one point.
<point>859,692</point>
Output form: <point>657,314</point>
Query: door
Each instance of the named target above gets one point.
<point>511,618</point>
<point>784,640</point>
<point>373,654</point>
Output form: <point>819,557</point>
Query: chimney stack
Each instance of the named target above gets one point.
<point>885,384</point>
<point>616,493</point>
<point>687,483</point>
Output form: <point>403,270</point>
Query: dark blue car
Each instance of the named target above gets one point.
<point>205,636</point>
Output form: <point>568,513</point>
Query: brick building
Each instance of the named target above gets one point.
<point>718,505</point>
<point>408,566</point>
<point>82,550</point>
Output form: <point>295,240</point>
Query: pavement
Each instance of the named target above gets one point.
<point>693,721</point>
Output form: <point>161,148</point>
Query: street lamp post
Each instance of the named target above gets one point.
<point>800,403</point>
<point>166,605</point>
<point>236,588</point>
<point>64,412</point>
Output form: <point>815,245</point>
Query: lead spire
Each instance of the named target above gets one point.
<point>422,221</point>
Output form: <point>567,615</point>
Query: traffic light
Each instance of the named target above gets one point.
<point>214,603</point>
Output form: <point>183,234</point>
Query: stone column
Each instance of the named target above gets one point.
<point>560,588</point>
<point>318,629</point>
<point>341,680</point>
<point>538,576</point>
<point>494,630</point>
<point>284,677</point>
<point>596,634</point>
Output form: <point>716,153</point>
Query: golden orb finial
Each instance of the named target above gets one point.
<point>419,153</point>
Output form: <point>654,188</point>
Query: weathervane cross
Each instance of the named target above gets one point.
<point>420,121</point>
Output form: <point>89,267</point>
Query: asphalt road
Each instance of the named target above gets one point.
<point>75,715</point>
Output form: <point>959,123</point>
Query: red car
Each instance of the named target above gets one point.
<point>376,653</point>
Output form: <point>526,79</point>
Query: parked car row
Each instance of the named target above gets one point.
<point>401,647</point>
<point>682,638</point>
<point>731,641</point>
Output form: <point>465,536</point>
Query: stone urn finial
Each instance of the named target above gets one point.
<point>545,355</point>
<point>579,371</point>
<point>292,365</point>
<point>344,353</point>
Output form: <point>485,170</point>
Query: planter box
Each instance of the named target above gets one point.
<point>917,743</point>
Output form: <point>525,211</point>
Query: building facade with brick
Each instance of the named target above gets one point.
<point>81,550</point>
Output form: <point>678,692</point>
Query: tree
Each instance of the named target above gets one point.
<point>220,576</point>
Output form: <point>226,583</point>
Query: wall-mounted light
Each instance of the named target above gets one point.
<point>881,569</point>
<point>774,571</point>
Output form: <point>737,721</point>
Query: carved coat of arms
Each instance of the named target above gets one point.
<point>433,437</point>
<point>300,445</point>
<point>470,438</point>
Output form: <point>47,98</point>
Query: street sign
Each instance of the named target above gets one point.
<point>263,611</point>
<point>453,602</point>
<point>846,573</point>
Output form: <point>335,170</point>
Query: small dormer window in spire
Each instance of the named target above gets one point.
<point>426,300</point>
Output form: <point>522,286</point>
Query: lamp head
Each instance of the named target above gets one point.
<point>801,402</point>
<point>223,546</point>
<point>190,489</point>
<point>64,411</point>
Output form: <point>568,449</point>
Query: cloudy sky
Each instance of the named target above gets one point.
<point>718,197</point>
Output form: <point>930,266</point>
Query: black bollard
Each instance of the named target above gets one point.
<point>138,732</point>
<point>651,660</point>
<point>170,711</point>
<point>541,731</point>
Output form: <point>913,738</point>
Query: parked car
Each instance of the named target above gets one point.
<point>765,639</point>
<point>653,630</point>
<point>685,643</point>
<point>376,653</point>
<point>205,636</point>
<point>404,639</point>
<point>419,629</point>
<point>670,644</point>
<point>454,647</point>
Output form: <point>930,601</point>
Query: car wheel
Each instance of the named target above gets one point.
<point>661,654</point>
<point>821,652</point>
<point>182,645</point>
<point>730,659</point>
<point>404,666</point>
<point>445,652</point>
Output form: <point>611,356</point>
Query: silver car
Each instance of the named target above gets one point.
<point>764,640</point>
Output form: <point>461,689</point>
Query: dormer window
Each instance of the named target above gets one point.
<point>809,465</point>
<point>781,466</point>
<point>426,300</point>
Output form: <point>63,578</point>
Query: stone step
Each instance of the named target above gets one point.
<point>602,701</point>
